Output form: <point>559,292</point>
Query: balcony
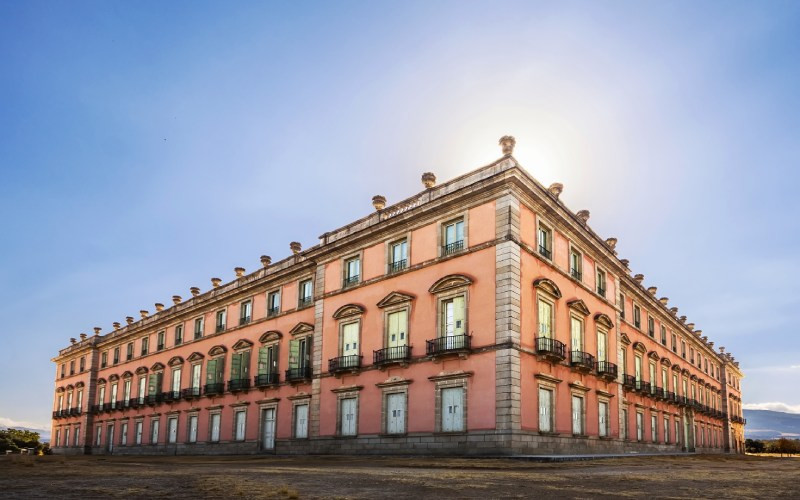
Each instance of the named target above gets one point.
<point>266,379</point>
<point>606,370</point>
<point>191,393</point>
<point>57,414</point>
<point>581,361</point>
<point>397,266</point>
<point>133,403</point>
<point>74,412</point>
<point>452,248</point>
<point>669,396</point>
<point>305,301</point>
<point>298,374</point>
<point>681,400</point>
<point>601,291</point>
<point>388,355</point>
<point>643,387</point>
<point>153,399</point>
<point>220,328</point>
<point>238,384</point>
<point>273,311</point>
<point>170,396</point>
<point>214,389</point>
<point>656,392</point>
<point>160,347</point>
<point>551,349</point>
<point>244,321</point>
<point>351,280</point>
<point>629,382</point>
<point>576,274</point>
<point>448,345</point>
<point>544,252</point>
<point>344,363</point>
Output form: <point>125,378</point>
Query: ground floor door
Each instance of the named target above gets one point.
<point>110,439</point>
<point>268,429</point>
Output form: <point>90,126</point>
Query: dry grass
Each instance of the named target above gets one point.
<point>399,477</point>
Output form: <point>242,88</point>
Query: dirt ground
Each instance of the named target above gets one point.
<point>396,477</point>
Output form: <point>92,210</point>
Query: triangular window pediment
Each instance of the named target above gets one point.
<point>395,298</point>
<point>604,320</point>
<point>451,282</point>
<point>301,328</point>
<point>653,355</point>
<point>195,356</point>
<point>242,344</point>
<point>127,374</point>
<point>666,362</point>
<point>579,306</point>
<point>175,361</point>
<point>141,370</point>
<point>157,366</point>
<point>625,339</point>
<point>638,346</point>
<point>113,378</point>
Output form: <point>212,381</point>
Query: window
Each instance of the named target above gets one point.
<point>306,293</point>
<point>622,306</point>
<point>239,419</point>
<point>577,415</point>
<point>72,367</point>
<point>221,320</point>
<point>63,370</point>
<point>214,423</point>
<point>196,369</point>
<point>602,416</point>
<point>545,318</point>
<point>179,335</point>
<point>347,415</point>
<point>677,432</point>
<point>198,328</point>
<point>452,321</point>
<point>576,334</point>
<point>113,395</point>
<point>654,428</point>
<point>139,431</point>
<point>215,373</point>
<point>674,343</point>
<point>267,365</point>
<point>398,256</point>
<point>348,341</point>
<point>637,369</point>
<point>602,342</point>
<point>240,370</point>
<point>544,237</point>
<point>116,355</point>
<point>663,335</point>
<point>154,385</point>
<point>80,399</point>
<point>639,426</point>
<point>273,303</point>
<point>691,355</point>
<point>176,382</point>
<point>705,362</point>
<point>637,316</point>
<point>129,352</point>
<point>154,423</point>
<point>601,282</point>
<point>452,237</point>
<point>83,364</point>
<point>397,324</point>
<point>683,349</point>
<point>651,326</point>
<point>104,359</point>
<point>300,357</point>
<point>301,421</point>
<point>161,340</point>
<point>142,388</point>
<point>101,397</point>
<point>245,312</point>
<point>66,436</point>
<point>77,436</point>
<point>452,401</point>
<point>192,427</point>
<point>624,429</point>
<point>172,430</point>
<point>352,271</point>
<point>396,413</point>
<point>145,341</point>
<point>99,435</point>
<point>575,264</point>
<point>126,391</point>
<point>545,410</point>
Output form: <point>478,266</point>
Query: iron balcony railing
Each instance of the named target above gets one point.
<point>601,291</point>
<point>670,396</point>
<point>351,280</point>
<point>305,301</point>
<point>301,373</point>
<point>214,389</point>
<point>392,355</point>
<point>273,311</point>
<point>398,265</point>
<point>266,379</point>
<point>75,411</point>
<point>551,348</point>
<point>453,247</point>
<point>547,254</point>
<point>170,396</point>
<point>655,391</point>
<point>191,393</point>
<point>442,345</point>
<point>576,274</point>
<point>238,384</point>
<point>581,360</point>
<point>244,320</point>
<point>344,363</point>
<point>57,414</point>
<point>629,382</point>
<point>160,347</point>
<point>642,386</point>
<point>606,369</point>
<point>153,399</point>
<point>220,328</point>
<point>133,402</point>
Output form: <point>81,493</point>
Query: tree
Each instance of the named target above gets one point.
<point>754,446</point>
<point>16,439</point>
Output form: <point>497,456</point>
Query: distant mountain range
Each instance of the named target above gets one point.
<point>767,424</point>
<point>44,434</point>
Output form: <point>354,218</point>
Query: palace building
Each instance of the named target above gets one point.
<point>480,316</point>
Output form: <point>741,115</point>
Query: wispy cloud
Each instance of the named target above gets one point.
<point>15,424</point>
<point>775,406</point>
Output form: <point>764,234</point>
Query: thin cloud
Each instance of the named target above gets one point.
<point>9,423</point>
<point>774,406</point>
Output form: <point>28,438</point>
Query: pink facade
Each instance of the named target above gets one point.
<point>420,328</point>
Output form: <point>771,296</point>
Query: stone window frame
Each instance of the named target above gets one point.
<point>154,418</point>
<point>161,336</point>
<point>388,252</point>
<point>202,320</point>
<point>604,397</point>
<point>667,423</point>
<point>440,239</point>
<point>450,292</point>
<point>176,341</point>
<point>359,254</point>
<point>263,405</point>
<point>175,415</point>
<point>239,408</point>
<point>573,248</point>
<point>548,383</point>
<point>300,281</point>
<point>622,299</point>
<point>548,292</point>
<point>624,429</point>
<point>450,381</point>
<point>272,292</point>
<point>217,327</point>
<point>392,303</point>
<point>214,410</point>
<point>579,390</point>
<point>194,412</point>
<point>76,435</point>
<point>651,326</point>
<point>249,301</point>
<point>599,269</point>
<point>639,411</point>
<point>603,324</point>
<point>550,228</point>
<point>636,310</point>
<point>572,313</point>
<point>138,422</point>
<point>342,393</point>
<point>144,345</point>
<point>300,400</point>
<point>395,385</point>
<point>654,429</point>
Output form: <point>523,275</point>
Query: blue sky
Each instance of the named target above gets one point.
<point>148,146</point>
